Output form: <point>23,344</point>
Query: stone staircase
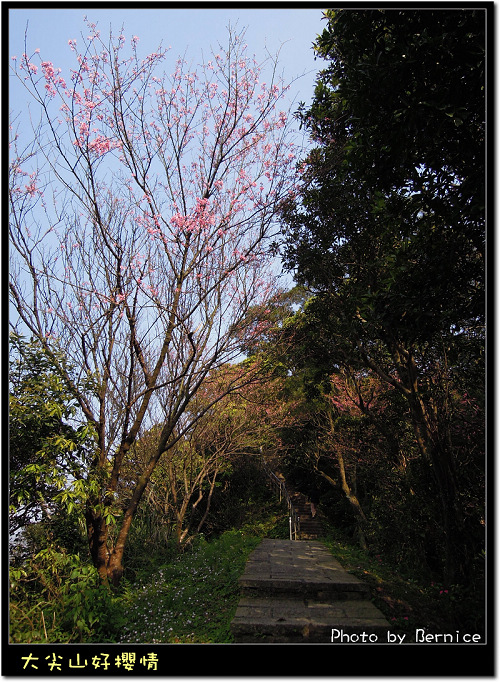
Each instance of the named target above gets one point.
<point>310,527</point>
<point>295,591</point>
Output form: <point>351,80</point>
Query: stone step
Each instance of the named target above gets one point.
<point>303,568</point>
<point>309,523</point>
<point>276,619</point>
<point>310,529</point>
<point>285,586</point>
<point>295,591</point>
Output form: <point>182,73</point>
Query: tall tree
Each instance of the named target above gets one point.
<point>389,227</point>
<point>141,212</point>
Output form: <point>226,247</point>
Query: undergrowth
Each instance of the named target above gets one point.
<point>408,600</point>
<point>57,597</point>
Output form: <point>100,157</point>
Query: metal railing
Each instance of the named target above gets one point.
<point>279,484</point>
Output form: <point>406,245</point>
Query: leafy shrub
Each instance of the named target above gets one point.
<point>56,597</point>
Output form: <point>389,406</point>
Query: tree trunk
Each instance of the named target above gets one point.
<point>353,500</point>
<point>440,458</point>
<point>209,500</point>
<point>435,450</point>
<point>359,514</point>
<point>97,534</point>
<point>107,560</point>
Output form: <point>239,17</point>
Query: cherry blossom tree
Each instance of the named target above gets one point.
<point>141,213</point>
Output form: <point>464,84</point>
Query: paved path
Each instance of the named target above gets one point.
<point>295,591</point>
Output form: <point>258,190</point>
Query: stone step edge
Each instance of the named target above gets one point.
<point>303,589</point>
<point>300,621</point>
<point>258,606</point>
<point>302,625</point>
<point>280,582</point>
<point>370,626</point>
<point>311,633</point>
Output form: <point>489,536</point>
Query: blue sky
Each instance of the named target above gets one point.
<point>183,29</point>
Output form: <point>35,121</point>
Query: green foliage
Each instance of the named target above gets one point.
<point>56,597</point>
<point>262,324</point>
<point>388,231</point>
<point>242,497</point>
<point>410,85</point>
<point>385,198</point>
<point>62,529</point>
<point>48,451</point>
